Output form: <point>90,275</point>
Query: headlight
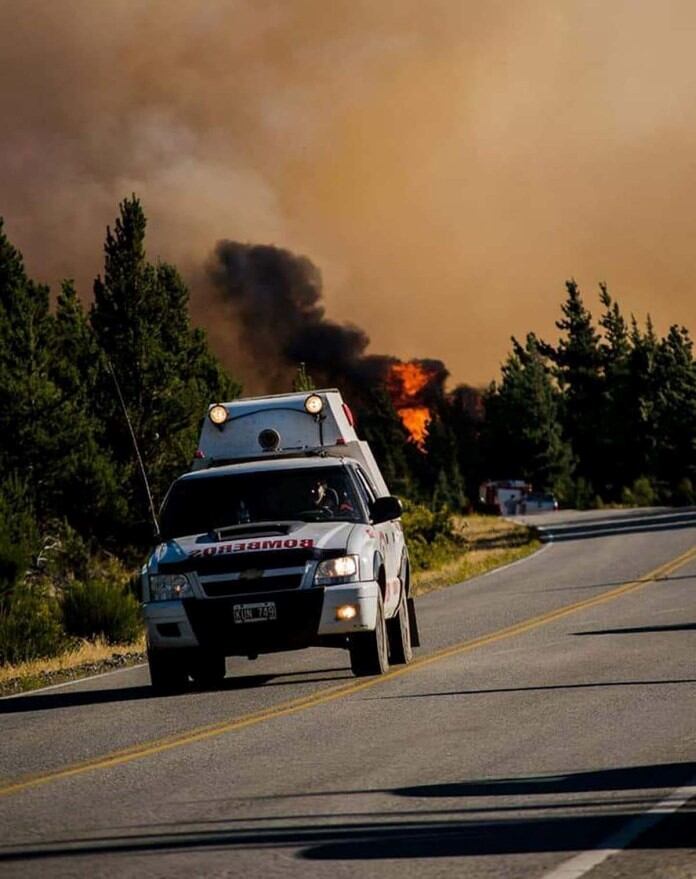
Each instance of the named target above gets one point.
<point>340,570</point>
<point>165,587</point>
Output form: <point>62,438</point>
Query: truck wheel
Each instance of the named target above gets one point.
<point>413,622</point>
<point>167,671</point>
<point>399,634</point>
<point>208,670</point>
<point>369,651</point>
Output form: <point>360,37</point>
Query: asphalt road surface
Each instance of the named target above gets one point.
<point>545,728</point>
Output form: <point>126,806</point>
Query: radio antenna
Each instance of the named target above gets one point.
<point>139,457</point>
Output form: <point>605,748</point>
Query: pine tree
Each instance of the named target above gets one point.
<point>578,362</point>
<point>302,380</point>
<point>443,478</point>
<point>522,434</point>
<point>465,417</point>
<point>675,408</point>
<point>618,444</point>
<point>86,474</point>
<point>30,416</point>
<point>643,393</point>
<point>163,366</point>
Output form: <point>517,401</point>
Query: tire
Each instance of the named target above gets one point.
<point>413,622</point>
<point>369,651</point>
<point>399,636</point>
<point>167,671</point>
<point>207,670</point>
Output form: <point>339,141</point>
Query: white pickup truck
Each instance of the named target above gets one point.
<point>283,536</point>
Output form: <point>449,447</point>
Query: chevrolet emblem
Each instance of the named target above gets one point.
<point>251,574</point>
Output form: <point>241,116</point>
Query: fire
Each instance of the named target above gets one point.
<point>409,379</point>
<point>406,382</point>
<point>416,420</point>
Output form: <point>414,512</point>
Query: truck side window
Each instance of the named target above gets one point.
<point>366,492</point>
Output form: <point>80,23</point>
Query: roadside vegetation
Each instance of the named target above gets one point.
<point>446,548</point>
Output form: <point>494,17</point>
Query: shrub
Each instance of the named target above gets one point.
<point>684,493</point>
<point>15,559</point>
<point>430,535</point>
<point>101,608</point>
<point>643,492</point>
<point>30,625</point>
<point>19,536</point>
<point>584,495</point>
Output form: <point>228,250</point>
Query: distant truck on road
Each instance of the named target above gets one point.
<point>284,535</point>
<point>512,497</point>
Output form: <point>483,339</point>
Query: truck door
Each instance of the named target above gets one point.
<point>390,539</point>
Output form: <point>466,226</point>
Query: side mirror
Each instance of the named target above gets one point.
<point>384,509</point>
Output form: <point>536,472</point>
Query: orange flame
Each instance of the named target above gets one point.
<point>406,381</point>
<point>409,378</point>
<point>416,420</point>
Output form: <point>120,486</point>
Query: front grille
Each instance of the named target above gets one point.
<point>220,588</point>
<point>232,562</point>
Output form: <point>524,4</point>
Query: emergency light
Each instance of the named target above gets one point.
<point>314,404</point>
<point>218,414</point>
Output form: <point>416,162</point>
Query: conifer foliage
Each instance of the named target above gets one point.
<point>523,434</point>
<point>162,365</point>
<point>69,486</point>
<point>606,415</point>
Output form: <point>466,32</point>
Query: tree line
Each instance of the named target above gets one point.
<point>607,415</point>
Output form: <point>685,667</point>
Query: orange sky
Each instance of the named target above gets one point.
<point>448,164</point>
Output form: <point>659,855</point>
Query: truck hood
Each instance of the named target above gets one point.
<point>315,538</point>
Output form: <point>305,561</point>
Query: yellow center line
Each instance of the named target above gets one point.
<point>302,703</point>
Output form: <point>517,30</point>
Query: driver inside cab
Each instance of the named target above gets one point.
<point>325,498</point>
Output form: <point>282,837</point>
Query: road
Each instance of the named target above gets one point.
<point>551,708</point>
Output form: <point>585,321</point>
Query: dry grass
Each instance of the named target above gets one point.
<point>85,655</point>
<point>487,542</point>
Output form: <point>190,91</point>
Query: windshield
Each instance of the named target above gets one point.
<point>197,506</point>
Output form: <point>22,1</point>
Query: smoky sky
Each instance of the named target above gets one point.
<point>447,164</point>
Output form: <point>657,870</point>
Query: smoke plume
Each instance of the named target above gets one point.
<point>276,302</point>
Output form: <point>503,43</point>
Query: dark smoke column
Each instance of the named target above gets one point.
<point>277,300</point>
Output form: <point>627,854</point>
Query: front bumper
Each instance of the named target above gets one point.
<point>305,617</point>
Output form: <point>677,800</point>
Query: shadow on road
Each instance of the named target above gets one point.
<point>609,584</point>
<point>52,700</point>
<point>637,630</point>
<point>414,834</point>
<point>624,778</point>
<point>597,684</point>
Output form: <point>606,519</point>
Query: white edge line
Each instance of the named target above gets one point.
<point>527,558</point>
<point>581,864</point>
<point>102,674</point>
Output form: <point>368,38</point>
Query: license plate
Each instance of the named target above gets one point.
<point>255,613</point>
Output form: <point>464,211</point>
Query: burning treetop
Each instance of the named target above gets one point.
<point>408,384</point>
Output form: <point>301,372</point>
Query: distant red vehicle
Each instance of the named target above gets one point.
<point>511,497</point>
